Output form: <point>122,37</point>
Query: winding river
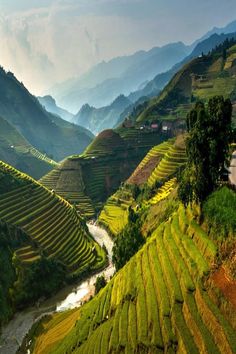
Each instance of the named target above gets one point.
<point>67,298</point>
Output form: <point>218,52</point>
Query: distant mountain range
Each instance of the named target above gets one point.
<point>153,87</point>
<point>200,79</point>
<point>107,80</point>
<point>139,77</point>
<point>98,119</point>
<point>122,75</point>
<point>49,103</point>
<point>46,132</point>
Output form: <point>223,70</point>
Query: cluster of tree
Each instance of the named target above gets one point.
<point>7,182</point>
<point>100,283</point>
<point>41,279</point>
<point>207,148</point>
<point>7,276</point>
<point>222,48</point>
<point>128,242</point>
<point>173,98</point>
<point>10,239</point>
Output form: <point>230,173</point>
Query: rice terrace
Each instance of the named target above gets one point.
<point>117,177</point>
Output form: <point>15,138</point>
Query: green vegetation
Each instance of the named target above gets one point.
<point>7,274</point>
<point>51,245</point>
<point>172,161</point>
<point>148,164</point>
<point>115,214</point>
<point>100,283</point>
<point>150,183</point>
<point>156,303</point>
<point>219,211</point>
<point>207,148</point>
<point>127,243</point>
<point>33,281</point>
<point>87,180</point>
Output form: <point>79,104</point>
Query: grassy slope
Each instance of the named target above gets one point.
<point>46,132</point>
<point>157,303</point>
<point>16,151</point>
<point>51,224</point>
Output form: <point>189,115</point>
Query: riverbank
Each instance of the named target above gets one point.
<point>68,298</point>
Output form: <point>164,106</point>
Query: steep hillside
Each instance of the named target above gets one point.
<point>98,119</point>
<point>155,176</point>
<point>202,78</point>
<point>50,105</point>
<point>122,75</point>
<point>160,302</point>
<point>53,232</point>
<point>44,131</point>
<point>153,87</point>
<point>15,150</point>
<point>107,162</point>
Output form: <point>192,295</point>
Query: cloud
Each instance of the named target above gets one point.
<point>48,41</point>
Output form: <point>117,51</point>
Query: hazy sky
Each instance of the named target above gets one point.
<point>48,41</point>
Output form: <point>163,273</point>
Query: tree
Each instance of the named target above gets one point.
<point>127,243</point>
<point>42,278</point>
<point>207,148</point>
<point>100,283</point>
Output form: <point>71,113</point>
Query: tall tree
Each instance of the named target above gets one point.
<point>207,148</point>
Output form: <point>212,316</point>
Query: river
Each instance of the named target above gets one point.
<point>67,298</point>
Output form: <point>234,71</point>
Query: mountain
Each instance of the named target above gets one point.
<point>43,242</point>
<point>229,28</point>
<point>15,150</point>
<point>201,78</point>
<point>46,132</point>
<point>122,75</point>
<point>49,103</point>
<point>98,119</point>
<point>89,116</point>
<point>153,87</point>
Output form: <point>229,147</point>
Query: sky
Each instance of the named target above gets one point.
<point>45,42</point>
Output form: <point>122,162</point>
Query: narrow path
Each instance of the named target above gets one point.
<point>67,298</point>
<point>232,169</point>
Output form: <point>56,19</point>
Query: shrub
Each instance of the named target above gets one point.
<point>33,281</point>
<point>100,283</point>
<point>127,243</point>
<point>219,211</point>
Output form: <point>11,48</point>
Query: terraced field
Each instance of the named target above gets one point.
<point>163,192</point>
<point>173,159</point>
<point>66,180</point>
<point>157,303</point>
<point>88,180</point>
<point>149,163</point>
<point>50,222</point>
<point>114,215</point>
